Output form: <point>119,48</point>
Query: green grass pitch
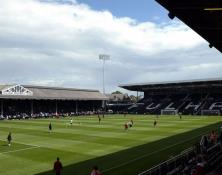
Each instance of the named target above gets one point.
<point>87,143</point>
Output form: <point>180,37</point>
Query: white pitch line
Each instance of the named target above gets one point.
<point>18,150</point>
<point>21,143</point>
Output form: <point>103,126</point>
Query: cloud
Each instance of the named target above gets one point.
<point>57,43</point>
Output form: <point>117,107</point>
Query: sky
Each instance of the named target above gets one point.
<point>58,42</point>
<point>145,10</point>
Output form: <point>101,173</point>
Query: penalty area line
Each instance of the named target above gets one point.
<point>18,150</point>
<point>21,143</point>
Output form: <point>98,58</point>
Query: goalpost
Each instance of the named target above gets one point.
<point>210,112</point>
<point>169,112</point>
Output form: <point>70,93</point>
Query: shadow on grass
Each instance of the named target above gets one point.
<point>139,158</point>
<point>4,145</point>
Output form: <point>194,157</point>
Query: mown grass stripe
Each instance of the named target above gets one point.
<point>90,140</point>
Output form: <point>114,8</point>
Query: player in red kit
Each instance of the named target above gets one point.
<point>57,166</point>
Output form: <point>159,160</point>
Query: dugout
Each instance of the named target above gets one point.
<point>27,100</point>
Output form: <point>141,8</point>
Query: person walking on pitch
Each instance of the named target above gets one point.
<point>9,138</point>
<point>50,127</point>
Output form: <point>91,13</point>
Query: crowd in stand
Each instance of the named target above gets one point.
<point>209,154</point>
<point>200,160</point>
<point>47,115</point>
<point>204,158</point>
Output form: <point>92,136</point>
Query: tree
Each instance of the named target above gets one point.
<point>117,92</point>
<point>133,98</point>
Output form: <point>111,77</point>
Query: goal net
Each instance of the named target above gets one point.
<point>210,112</point>
<point>169,112</point>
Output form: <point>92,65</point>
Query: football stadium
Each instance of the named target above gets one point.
<point>175,129</point>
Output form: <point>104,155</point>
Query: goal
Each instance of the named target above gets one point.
<point>169,112</point>
<point>210,112</point>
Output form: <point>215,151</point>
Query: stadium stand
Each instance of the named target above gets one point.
<point>24,101</point>
<point>190,160</point>
<point>196,97</point>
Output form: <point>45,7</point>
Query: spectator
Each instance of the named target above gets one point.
<point>57,166</point>
<point>199,170</point>
<point>95,171</point>
<point>213,137</point>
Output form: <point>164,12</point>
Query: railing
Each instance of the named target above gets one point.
<point>170,165</point>
<point>177,164</point>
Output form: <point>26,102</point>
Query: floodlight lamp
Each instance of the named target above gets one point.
<point>104,57</point>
